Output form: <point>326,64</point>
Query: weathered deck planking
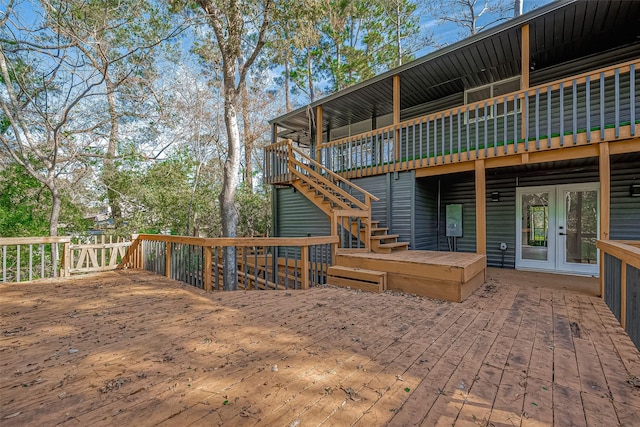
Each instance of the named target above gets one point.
<point>152,351</point>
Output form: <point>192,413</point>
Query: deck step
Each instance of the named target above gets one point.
<point>357,278</point>
<point>379,230</point>
<point>385,236</point>
<point>387,248</point>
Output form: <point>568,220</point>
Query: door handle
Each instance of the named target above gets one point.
<point>562,234</point>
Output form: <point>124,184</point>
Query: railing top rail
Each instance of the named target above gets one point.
<point>336,176</point>
<point>33,240</point>
<point>609,70</point>
<point>241,241</point>
<point>628,252</point>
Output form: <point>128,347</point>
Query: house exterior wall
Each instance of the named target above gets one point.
<point>396,206</point>
<point>377,185</point>
<point>625,210</point>
<point>426,215</point>
<point>297,216</point>
<point>501,215</point>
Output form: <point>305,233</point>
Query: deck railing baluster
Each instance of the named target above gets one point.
<point>632,99</point>
<point>505,134</point>
<point>485,121</point>
<point>450,137</point>
<point>602,120</point>
<point>617,101</point>
<point>516,131</point>
<point>574,88</point>
<point>549,121</point>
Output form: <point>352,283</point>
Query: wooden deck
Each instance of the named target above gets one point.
<point>132,348</point>
<point>450,276</point>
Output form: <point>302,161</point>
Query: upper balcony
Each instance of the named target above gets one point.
<point>562,119</point>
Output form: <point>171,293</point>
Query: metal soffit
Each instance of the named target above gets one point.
<point>559,32</point>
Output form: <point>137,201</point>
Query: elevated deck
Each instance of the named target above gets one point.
<point>134,348</point>
<point>451,276</point>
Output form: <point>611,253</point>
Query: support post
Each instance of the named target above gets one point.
<point>66,259</point>
<point>623,295</point>
<point>318,133</point>
<point>524,79</point>
<point>481,208</point>
<point>304,276</point>
<point>605,196</point>
<point>396,114</point>
<point>208,266</point>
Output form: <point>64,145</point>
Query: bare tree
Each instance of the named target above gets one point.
<point>227,19</point>
<point>472,16</point>
<point>54,74</point>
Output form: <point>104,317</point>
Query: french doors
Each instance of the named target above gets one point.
<point>557,228</point>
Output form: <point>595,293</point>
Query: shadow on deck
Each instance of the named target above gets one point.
<point>133,348</point>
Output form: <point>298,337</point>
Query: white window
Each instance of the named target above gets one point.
<point>489,91</point>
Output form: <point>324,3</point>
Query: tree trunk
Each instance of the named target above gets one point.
<point>229,214</point>
<point>109,169</point>
<point>398,34</point>
<point>312,95</point>
<point>287,96</point>
<point>193,195</point>
<point>248,138</point>
<point>517,8</point>
<point>54,218</point>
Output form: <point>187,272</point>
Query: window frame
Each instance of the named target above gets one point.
<point>490,113</point>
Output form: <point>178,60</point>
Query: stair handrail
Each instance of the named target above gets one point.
<point>311,173</point>
<point>336,176</point>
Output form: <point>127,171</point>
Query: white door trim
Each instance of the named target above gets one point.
<point>556,253</point>
<point>550,263</point>
<point>590,269</point>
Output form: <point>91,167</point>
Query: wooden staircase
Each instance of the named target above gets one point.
<point>349,215</point>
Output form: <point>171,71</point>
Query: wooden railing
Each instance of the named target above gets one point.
<point>352,228</point>
<point>261,263</point>
<point>33,258</point>
<point>286,164</point>
<point>587,108</point>
<point>97,253</point>
<point>620,283</point>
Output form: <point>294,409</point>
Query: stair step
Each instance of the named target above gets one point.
<point>387,248</point>
<point>385,236</point>
<point>379,229</point>
<point>394,245</point>
<point>357,278</point>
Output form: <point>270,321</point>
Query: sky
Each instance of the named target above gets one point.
<point>447,32</point>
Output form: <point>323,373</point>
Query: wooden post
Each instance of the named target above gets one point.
<point>304,276</point>
<point>481,209</point>
<point>524,79</point>
<point>524,51</point>
<point>168,259</point>
<point>208,266</point>
<point>103,255</point>
<point>319,128</point>
<point>623,295</point>
<point>396,114</point>
<point>66,259</point>
<point>367,225</point>
<point>605,196</point>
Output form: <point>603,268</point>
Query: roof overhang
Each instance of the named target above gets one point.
<point>559,32</point>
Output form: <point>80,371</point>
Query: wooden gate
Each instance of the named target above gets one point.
<point>97,256</point>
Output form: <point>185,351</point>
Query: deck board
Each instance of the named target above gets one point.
<point>152,351</point>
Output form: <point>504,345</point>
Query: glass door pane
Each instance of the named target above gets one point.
<point>535,226</point>
<point>581,210</point>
